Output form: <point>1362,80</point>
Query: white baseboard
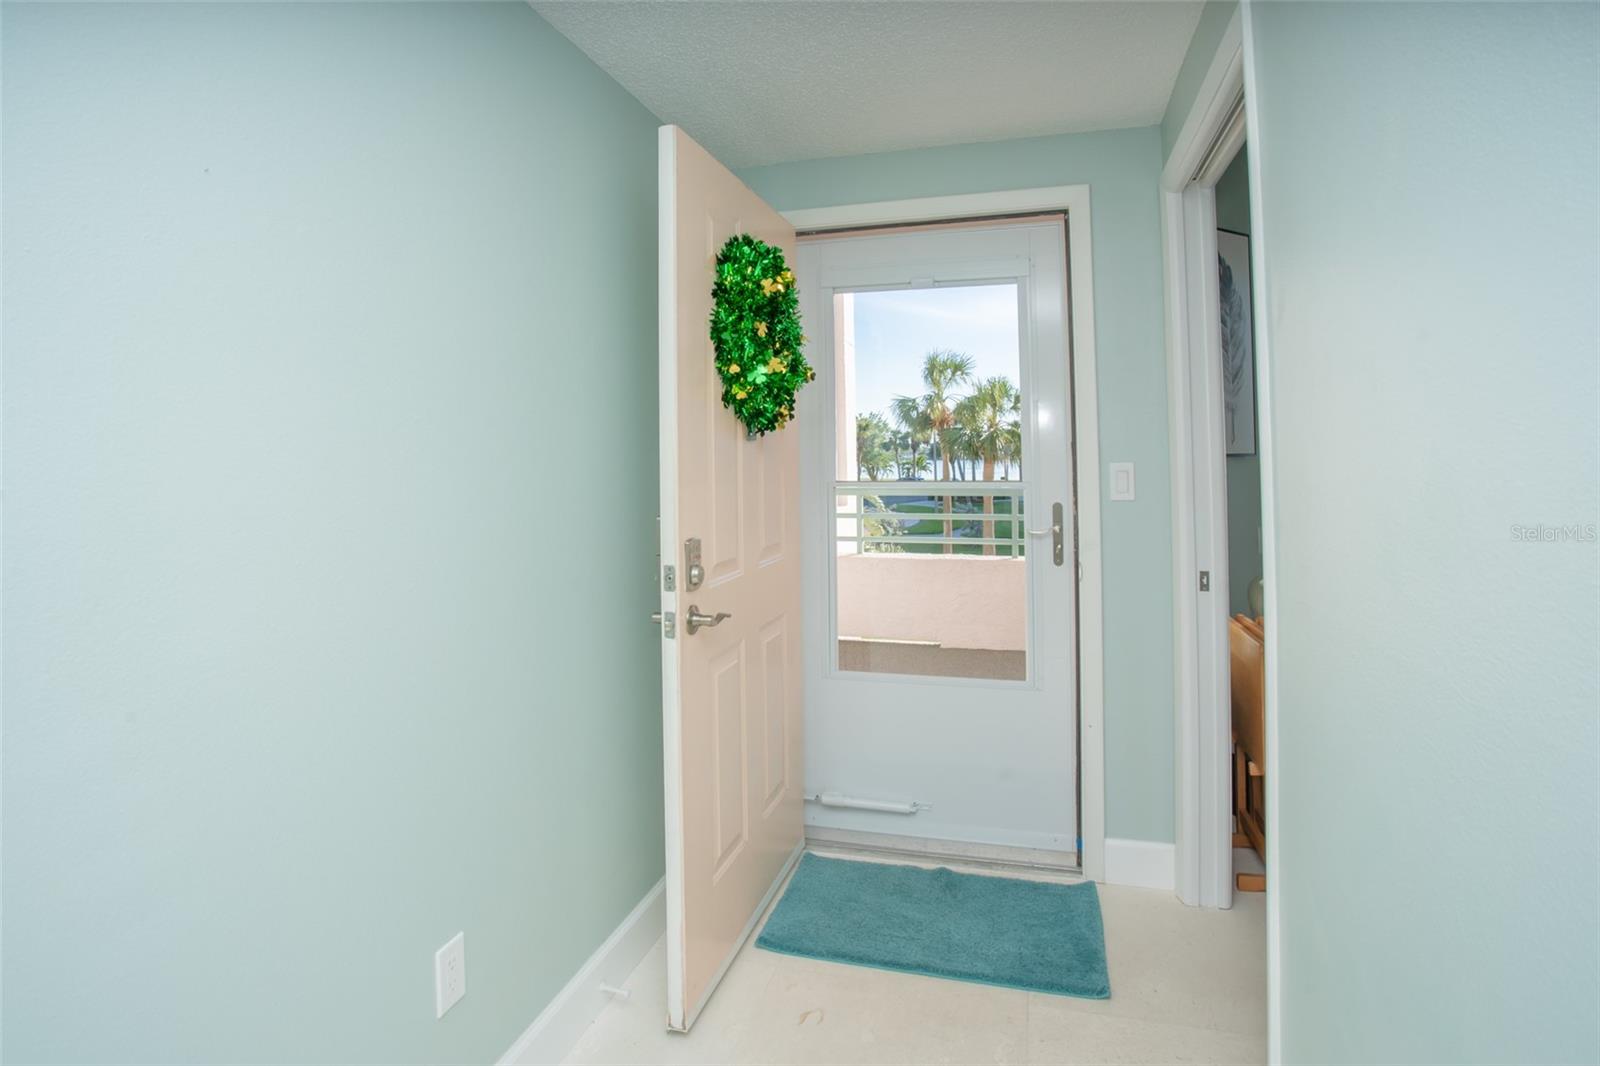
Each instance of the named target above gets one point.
<point>558,1027</point>
<point>1140,864</point>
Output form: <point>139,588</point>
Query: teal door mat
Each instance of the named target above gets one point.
<point>1035,935</point>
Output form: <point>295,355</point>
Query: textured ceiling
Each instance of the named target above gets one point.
<point>769,81</point>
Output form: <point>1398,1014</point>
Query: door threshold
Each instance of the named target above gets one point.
<point>893,847</point>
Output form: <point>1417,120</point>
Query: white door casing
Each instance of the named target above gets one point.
<point>996,760</point>
<point>731,694</point>
<point>1208,140</point>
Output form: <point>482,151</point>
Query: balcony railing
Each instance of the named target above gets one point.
<point>931,517</point>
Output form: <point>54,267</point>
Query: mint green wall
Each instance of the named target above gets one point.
<point>1244,471</point>
<point>1122,168</point>
<point>1233,195</point>
<point>307,666</point>
<point>1433,319</point>
<point>1202,50</point>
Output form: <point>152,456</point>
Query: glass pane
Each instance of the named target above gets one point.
<point>898,519</point>
<point>922,589</point>
<point>929,384</point>
<point>930,543</point>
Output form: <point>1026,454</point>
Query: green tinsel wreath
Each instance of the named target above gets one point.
<point>755,329</point>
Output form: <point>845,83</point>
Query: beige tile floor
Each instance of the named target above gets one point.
<point>1187,986</point>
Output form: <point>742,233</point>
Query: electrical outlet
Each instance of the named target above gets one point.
<point>450,973</point>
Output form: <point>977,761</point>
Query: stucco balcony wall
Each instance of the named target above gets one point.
<point>957,601</point>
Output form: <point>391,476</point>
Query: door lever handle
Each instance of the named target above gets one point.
<point>1056,533</point>
<point>698,621</point>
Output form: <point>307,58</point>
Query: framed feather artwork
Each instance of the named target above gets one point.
<point>1238,351</point>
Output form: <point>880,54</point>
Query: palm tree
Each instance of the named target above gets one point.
<point>899,441</point>
<point>991,426</point>
<point>872,445</point>
<point>961,448</point>
<point>908,414</point>
<point>1011,452</point>
<point>943,371</point>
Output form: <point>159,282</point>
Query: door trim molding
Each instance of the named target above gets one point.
<point>1074,200</point>
<point>1261,283</point>
<point>1209,139</point>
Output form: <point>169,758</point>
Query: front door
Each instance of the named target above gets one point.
<point>731,688</point>
<point>939,541</point>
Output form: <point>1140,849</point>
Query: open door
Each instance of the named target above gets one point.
<point>730,554</point>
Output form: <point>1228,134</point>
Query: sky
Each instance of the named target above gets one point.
<point>896,329</point>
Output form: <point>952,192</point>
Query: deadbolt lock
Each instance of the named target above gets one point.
<point>693,573</point>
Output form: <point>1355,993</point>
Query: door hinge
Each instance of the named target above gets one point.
<point>1205,581</point>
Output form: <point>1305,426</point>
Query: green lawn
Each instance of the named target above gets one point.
<point>934,527</point>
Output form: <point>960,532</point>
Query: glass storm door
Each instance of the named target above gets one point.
<point>937,539</point>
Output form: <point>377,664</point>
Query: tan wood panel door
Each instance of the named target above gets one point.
<point>731,692</point>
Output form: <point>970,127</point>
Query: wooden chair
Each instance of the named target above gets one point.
<point>1248,661</point>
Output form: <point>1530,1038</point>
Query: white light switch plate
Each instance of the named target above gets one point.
<point>1122,481</point>
<point>450,974</point>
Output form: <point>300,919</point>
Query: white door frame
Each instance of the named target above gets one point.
<point>1209,139</point>
<point>1266,433</point>
<point>1074,200</point>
